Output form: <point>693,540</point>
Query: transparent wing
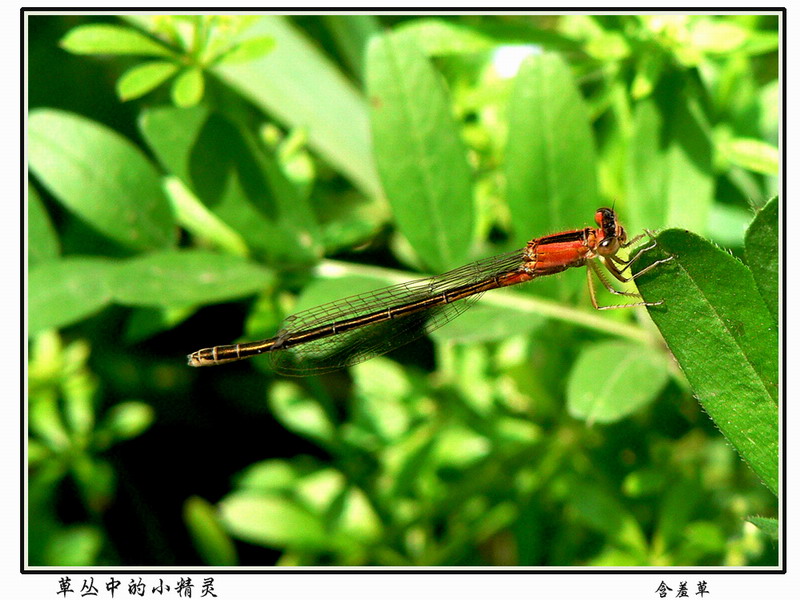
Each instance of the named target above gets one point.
<point>355,345</point>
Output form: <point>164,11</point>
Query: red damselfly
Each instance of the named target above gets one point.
<point>345,332</point>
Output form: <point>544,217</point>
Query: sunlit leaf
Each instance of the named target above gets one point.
<point>297,84</point>
<point>100,176</point>
<point>187,89</point>
<point>273,521</point>
<point>250,49</point>
<point>111,39</point>
<point>144,78</point>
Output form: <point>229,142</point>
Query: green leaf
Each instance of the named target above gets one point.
<point>767,525</point>
<point>211,541</point>
<point>551,166</point>
<point>717,36</point>
<point>66,291</point>
<point>111,39</point>
<point>550,156</point>
<point>669,172</point>
<point>248,50</point>
<point>633,376</point>
<point>716,324</point>
<point>144,78</point>
<point>128,420</point>
<point>43,244</point>
<point>272,521</point>
<point>608,46</point>
<point>187,89</point>
<point>302,88</point>
<point>485,323</point>
<point>754,155</point>
<point>172,134</point>
<point>299,413</point>
<point>420,155</point>
<point>762,254</point>
<point>271,475</point>
<point>381,392</point>
<point>101,177</point>
<point>182,278</point>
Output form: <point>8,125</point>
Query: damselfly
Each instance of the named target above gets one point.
<point>345,332</point>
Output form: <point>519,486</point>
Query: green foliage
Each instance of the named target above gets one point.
<point>530,431</point>
<point>67,440</point>
<point>191,44</point>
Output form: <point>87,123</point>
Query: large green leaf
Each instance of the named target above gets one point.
<point>669,172</point>
<point>762,254</point>
<point>101,177</point>
<point>550,156</point>
<point>183,278</point>
<point>300,413</point>
<point>63,292</point>
<point>716,324</point>
<point>421,158</point>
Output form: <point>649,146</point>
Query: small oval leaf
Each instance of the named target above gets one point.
<point>272,521</point>
<point>210,539</point>
<point>111,39</point>
<point>187,90</point>
<point>141,79</point>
